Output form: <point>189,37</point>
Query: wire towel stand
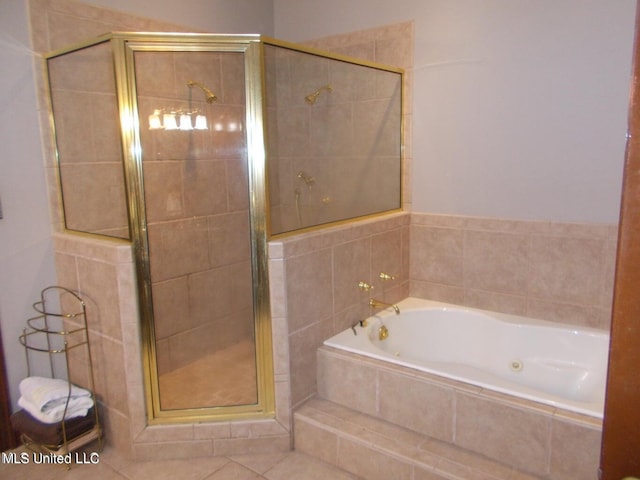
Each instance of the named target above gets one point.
<point>41,336</point>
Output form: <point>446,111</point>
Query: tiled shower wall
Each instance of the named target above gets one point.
<point>197,205</point>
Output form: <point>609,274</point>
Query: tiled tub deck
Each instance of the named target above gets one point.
<point>519,438</point>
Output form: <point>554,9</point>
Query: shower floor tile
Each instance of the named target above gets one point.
<point>226,377</point>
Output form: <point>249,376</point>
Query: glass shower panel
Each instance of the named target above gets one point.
<point>334,142</point>
<point>88,142</point>
<point>194,161</point>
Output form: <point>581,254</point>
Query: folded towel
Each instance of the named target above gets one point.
<point>51,433</point>
<point>46,399</point>
<point>40,390</point>
<point>53,411</point>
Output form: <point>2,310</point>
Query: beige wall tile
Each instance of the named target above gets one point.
<point>502,432</point>
<point>170,302</point>
<point>179,247</point>
<point>347,382</point>
<point>164,191</point>
<point>229,238</point>
<point>173,450</point>
<point>495,262</point>
<point>497,302</point>
<point>421,474</point>
<point>575,451</point>
<point>554,271</point>
<point>243,446</point>
<point>205,187</point>
<point>99,288</point>
<point>351,264</point>
<point>309,289</point>
<point>316,441</point>
<point>566,269</point>
<point>439,292</point>
<point>370,464</point>
<point>209,297</point>
<point>570,314</point>
<point>419,406</point>
<point>302,353</point>
<point>437,255</point>
<point>387,256</point>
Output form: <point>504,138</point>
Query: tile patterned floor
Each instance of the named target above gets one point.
<point>109,466</point>
<point>226,377</point>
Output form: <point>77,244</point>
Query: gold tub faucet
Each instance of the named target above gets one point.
<point>378,304</point>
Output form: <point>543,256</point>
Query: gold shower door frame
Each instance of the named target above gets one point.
<point>124,47</point>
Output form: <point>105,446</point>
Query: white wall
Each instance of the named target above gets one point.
<point>214,16</point>
<point>520,107</point>
<point>26,251</point>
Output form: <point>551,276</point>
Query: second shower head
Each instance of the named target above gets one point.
<point>313,97</point>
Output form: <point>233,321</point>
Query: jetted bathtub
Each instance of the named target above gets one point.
<point>556,364</point>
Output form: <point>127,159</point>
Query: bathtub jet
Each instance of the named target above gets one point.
<point>551,363</point>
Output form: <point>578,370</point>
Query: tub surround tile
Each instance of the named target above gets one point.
<point>302,354</point>
<point>348,383</point>
<point>512,435</point>
<point>310,438</point>
<point>495,301</point>
<point>565,269</point>
<point>351,264</point>
<point>437,255</point>
<point>309,288</point>
<point>372,448</point>
<point>572,448</point>
<point>555,271</point>
<point>495,262</point>
<point>492,435</point>
<point>437,291</point>
<point>401,398</point>
<point>587,316</point>
<point>321,273</point>
<point>387,257</point>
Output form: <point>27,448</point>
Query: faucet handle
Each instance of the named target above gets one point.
<point>386,276</point>
<point>364,286</point>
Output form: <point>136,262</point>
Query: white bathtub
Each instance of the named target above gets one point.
<point>555,364</point>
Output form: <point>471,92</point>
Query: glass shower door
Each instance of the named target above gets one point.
<point>191,106</point>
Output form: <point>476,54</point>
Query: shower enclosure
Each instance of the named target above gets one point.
<point>198,148</point>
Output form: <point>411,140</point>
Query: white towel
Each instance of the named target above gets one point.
<point>46,399</point>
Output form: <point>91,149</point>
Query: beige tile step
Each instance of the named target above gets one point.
<point>377,450</point>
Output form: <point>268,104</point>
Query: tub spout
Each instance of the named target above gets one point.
<point>377,304</point>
